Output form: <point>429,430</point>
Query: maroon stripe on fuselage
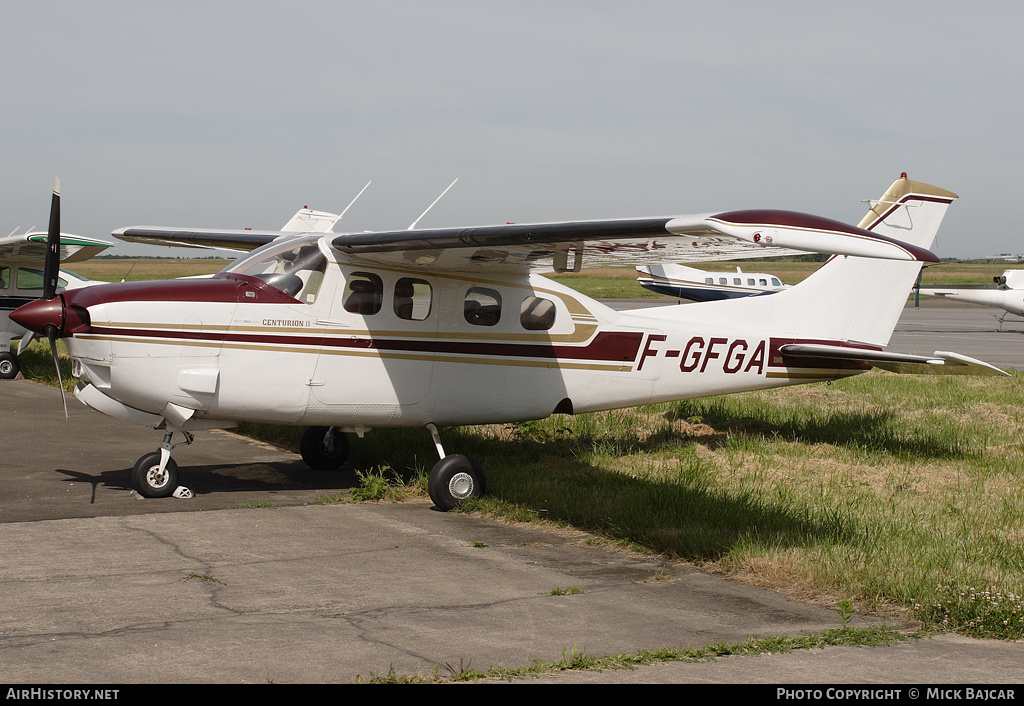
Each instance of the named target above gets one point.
<point>607,346</point>
<point>222,288</point>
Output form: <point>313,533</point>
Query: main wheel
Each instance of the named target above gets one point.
<point>321,452</point>
<point>453,479</point>
<point>149,481</point>
<point>8,366</point>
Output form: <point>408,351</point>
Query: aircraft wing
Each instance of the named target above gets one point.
<point>305,222</point>
<point>568,245</point>
<point>32,246</point>
<point>242,240</point>
<point>939,363</point>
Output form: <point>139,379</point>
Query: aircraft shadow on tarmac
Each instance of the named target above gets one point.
<point>239,477</point>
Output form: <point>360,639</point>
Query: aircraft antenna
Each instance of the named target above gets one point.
<point>350,204</point>
<point>413,226</point>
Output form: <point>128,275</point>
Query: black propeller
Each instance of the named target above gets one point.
<point>51,267</point>
<point>51,271</point>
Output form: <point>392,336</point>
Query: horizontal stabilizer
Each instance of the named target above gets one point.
<point>939,363</point>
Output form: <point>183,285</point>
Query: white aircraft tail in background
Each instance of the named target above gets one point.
<point>1006,294</point>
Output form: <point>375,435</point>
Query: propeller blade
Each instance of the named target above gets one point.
<point>51,267</point>
<point>25,341</point>
<point>51,334</point>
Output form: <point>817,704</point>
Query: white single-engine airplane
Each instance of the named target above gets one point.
<point>453,326</point>
<point>1007,294</point>
<point>696,285</point>
<point>22,258</point>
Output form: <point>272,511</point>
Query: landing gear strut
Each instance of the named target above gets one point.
<point>454,478</point>
<point>156,474</point>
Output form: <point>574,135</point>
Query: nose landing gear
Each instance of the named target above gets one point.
<point>155,475</point>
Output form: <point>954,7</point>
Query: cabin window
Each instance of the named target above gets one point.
<point>750,281</point>
<point>5,277</point>
<point>709,280</point>
<point>412,299</point>
<point>763,282</point>
<point>537,314</point>
<point>29,279</point>
<point>737,280</point>
<point>33,279</point>
<point>482,307</point>
<point>776,282</point>
<point>723,280</point>
<point>364,292</point>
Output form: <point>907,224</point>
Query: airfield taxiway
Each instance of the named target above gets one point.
<point>101,587</point>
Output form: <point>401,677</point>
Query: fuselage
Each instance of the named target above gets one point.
<point>345,344</point>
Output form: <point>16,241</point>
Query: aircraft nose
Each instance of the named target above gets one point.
<point>38,314</point>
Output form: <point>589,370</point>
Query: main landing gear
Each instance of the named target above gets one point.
<point>324,448</point>
<point>454,478</point>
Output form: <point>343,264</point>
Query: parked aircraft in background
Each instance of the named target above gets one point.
<point>21,281</point>
<point>453,326</point>
<point>704,286</point>
<point>1007,294</point>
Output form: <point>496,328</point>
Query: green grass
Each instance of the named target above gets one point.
<point>37,363</point>
<point>902,493</point>
<point>575,659</point>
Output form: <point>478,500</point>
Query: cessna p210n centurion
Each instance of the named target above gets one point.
<point>454,326</point>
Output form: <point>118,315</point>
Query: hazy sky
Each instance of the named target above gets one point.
<point>234,114</point>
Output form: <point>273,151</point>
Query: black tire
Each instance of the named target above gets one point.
<point>148,483</point>
<point>453,479</point>
<point>8,366</point>
<point>315,453</point>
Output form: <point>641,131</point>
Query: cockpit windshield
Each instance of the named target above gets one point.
<point>295,266</point>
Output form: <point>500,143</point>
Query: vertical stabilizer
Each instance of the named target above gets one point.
<point>310,221</point>
<point>858,299</point>
<point>854,299</point>
<point>909,211</point>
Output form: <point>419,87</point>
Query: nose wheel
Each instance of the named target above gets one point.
<point>151,480</point>
<point>8,366</point>
<point>155,475</point>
